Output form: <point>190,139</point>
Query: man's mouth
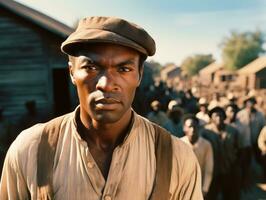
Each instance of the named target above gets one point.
<point>106,103</point>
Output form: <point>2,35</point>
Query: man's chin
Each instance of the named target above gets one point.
<point>106,117</point>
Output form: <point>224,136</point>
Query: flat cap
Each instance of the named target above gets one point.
<point>109,30</point>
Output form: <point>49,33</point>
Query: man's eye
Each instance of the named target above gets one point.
<point>90,67</point>
<point>124,69</point>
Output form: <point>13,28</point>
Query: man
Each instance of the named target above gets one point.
<point>227,181</point>
<point>253,121</point>
<point>245,150</point>
<point>157,115</point>
<point>103,150</point>
<point>203,115</point>
<point>174,114</point>
<point>202,149</point>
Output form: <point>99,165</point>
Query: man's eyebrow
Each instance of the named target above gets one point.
<point>87,60</point>
<point>127,62</point>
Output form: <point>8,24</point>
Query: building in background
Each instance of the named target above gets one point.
<point>32,65</point>
<point>253,75</point>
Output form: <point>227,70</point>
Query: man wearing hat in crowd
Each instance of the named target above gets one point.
<point>253,121</point>
<point>203,114</point>
<point>157,115</point>
<point>174,122</point>
<point>102,150</point>
<point>227,179</point>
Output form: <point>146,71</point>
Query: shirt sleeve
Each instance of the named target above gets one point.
<point>208,171</point>
<point>186,173</point>
<point>12,185</point>
<point>18,179</point>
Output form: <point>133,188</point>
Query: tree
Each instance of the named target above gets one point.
<point>239,49</point>
<point>193,64</point>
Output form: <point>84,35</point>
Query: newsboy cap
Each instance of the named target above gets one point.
<point>109,30</point>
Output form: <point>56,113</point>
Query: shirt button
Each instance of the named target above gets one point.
<point>90,165</point>
<point>107,197</point>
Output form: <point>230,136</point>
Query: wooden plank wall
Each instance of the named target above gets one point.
<point>24,70</point>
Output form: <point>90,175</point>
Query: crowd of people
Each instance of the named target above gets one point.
<point>225,135</point>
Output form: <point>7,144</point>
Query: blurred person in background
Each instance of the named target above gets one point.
<point>245,149</point>
<point>232,99</point>
<point>227,182</point>
<point>202,149</point>
<point>215,101</point>
<point>253,121</point>
<point>174,122</point>
<point>157,115</point>
<point>31,117</point>
<point>190,102</point>
<point>203,114</point>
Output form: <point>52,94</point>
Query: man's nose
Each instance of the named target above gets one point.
<point>106,82</point>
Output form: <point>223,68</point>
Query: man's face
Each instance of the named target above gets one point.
<point>250,104</point>
<point>191,129</point>
<point>230,112</point>
<point>217,118</point>
<point>106,77</point>
<point>203,108</point>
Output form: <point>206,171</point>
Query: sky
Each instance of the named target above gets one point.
<point>180,28</point>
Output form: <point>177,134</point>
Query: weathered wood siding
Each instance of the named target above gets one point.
<point>261,79</point>
<point>27,57</point>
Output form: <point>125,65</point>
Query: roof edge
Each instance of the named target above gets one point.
<point>37,17</point>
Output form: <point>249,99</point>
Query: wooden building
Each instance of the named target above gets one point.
<point>207,74</point>
<point>170,72</point>
<point>32,65</point>
<point>215,74</point>
<point>253,75</point>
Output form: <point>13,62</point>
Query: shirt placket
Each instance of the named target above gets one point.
<point>94,173</point>
<point>114,176</point>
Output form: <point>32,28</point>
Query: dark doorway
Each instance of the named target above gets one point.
<point>61,91</point>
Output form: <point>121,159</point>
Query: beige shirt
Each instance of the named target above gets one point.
<point>76,175</point>
<point>204,153</point>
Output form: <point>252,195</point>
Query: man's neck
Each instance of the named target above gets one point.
<point>220,127</point>
<point>102,139</point>
<point>194,139</point>
<point>102,135</point>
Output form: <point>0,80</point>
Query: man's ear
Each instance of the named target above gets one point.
<point>70,67</point>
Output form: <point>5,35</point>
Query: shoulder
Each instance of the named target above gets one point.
<point>183,155</point>
<point>23,150</point>
<point>22,154</point>
<point>27,138</point>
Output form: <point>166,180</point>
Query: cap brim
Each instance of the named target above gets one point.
<point>97,36</point>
